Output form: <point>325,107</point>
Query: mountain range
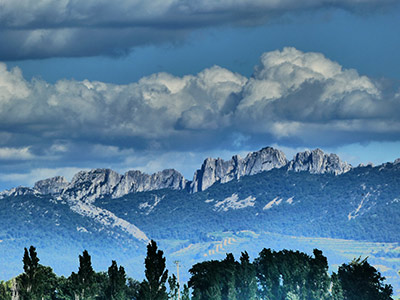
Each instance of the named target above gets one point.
<point>91,185</point>
<point>261,200</point>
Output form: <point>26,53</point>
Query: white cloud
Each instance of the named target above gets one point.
<point>294,99</point>
<point>12,84</point>
<point>293,93</point>
<point>290,95</point>
<point>7,153</point>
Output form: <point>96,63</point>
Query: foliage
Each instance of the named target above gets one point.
<point>282,275</point>
<point>37,281</point>
<point>173,287</point>
<point>185,292</point>
<point>5,290</point>
<point>246,282</point>
<point>293,274</point>
<point>132,289</point>
<point>360,280</point>
<point>153,287</point>
<point>226,279</point>
<point>83,283</point>
<point>116,289</point>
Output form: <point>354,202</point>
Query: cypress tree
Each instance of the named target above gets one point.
<point>246,281</point>
<point>116,289</point>
<point>37,281</point>
<point>82,283</point>
<point>153,287</point>
<point>31,264</point>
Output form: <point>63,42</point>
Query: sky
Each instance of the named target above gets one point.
<point>149,85</point>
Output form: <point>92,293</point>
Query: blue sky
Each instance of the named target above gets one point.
<point>164,84</point>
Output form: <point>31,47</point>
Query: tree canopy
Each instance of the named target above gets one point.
<point>273,275</point>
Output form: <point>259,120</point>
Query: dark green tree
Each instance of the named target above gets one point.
<point>185,292</point>
<point>46,283</point>
<point>133,289</point>
<point>116,289</point>
<point>293,275</point>
<point>173,287</point>
<point>337,291</point>
<point>214,279</point>
<point>37,281</point>
<point>28,279</point>
<point>153,287</point>
<point>246,281</point>
<point>318,280</point>
<point>360,280</point>
<point>5,290</point>
<point>268,275</point>
<point>83,284</point>
<point>228,277</point>
<point>65,288</point>
<point>205,280</point>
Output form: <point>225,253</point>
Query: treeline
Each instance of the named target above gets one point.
<point>282,275</point>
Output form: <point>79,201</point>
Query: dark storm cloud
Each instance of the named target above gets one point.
<point>73,28</point>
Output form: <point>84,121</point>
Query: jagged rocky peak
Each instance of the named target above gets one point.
<point>214,170</point>
<point>97,183</point>
<point>169,178</point>
<point>18,191</point>
<point>137,181</point>
<point>90,185</point>
<point>397,161</point>
<point>264,160</point>
<point>53,185</point>
<point>362,165</point>
<point>217,170</point>
<point>96,176</point>
<point>317,162</point>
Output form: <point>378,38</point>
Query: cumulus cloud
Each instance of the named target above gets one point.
<point>292,92</point>
<point>294,99</point>
<point>70,28</point>
<point>7,153</point>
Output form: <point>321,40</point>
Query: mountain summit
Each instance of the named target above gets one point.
<point>90,185</point>
<point>217,170</point>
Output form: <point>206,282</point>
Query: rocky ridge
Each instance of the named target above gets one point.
<point>317,162</point>
<point>90,185</point>
<point>217,170</point>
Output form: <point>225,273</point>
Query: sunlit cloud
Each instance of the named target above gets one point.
<point>294,99</point>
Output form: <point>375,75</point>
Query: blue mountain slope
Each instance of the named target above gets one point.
<point>281,207</point>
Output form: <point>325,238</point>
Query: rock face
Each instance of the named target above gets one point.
<point>264,160</point>
<point>90,185</point>
<point>136,181</point>
<point>317,162</point>
<point>218,170</point>
<point>51,185</point>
